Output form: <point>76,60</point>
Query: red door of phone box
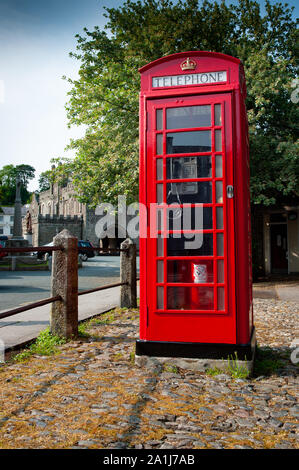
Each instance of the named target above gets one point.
<point>195,247</point>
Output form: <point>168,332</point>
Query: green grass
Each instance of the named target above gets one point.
<point>44,345</point>
<point>214,371</point>
<point>237,371</point>
<point>233,368</point>
<point>21,264</point>
<point>267,362</point>
<point>104,319</point>
<point>170,368</point>
<point>82,329</point>
<point>84,326</point>
<point>132,357</point>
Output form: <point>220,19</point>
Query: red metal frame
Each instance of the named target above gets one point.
<point>231,325</point>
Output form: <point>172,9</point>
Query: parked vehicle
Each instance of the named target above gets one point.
<point>2,245</point>
<point>84,254</point>
<point>42,254</point>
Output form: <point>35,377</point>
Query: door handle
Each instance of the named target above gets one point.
<point>229,191</point>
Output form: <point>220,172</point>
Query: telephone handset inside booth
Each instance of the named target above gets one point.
<point>183,168</point>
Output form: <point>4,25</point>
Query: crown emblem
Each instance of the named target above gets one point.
<point>188,64</point>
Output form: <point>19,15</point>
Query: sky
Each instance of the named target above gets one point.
<point>35,40</point>
<point>36,37</point>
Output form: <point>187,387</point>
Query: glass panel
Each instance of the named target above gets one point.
<point>159,144</point>
<point>159,119</point>
<point>159,168</point>
<point>200,244</point>
<point>218,166</point>
<point>190,298</point>
<point>189,142</point>
<point>189,192</point>
<point>160,246</point>
<point>219,192</point>
<point>220,270</point>
<point>218,140</point>
<point>207,218</point>
<point>196,271</point>
<point>220,247</point>
<point>219,217</point>
<point>189,167</point>
<point>160,271</point>
<point>221,299</point>
<point>159,193</point>
<point>159,218</point>
<point>190,218</point>
<point>217,113</point>
<point>160,298</point>
<point>188,116</point>
<point>175,218</point>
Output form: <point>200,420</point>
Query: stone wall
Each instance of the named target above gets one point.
<point>90,221</point>
<point>89,229</point>
<point>45,228</point>
<point>57,208</point>
<point>59,200</point>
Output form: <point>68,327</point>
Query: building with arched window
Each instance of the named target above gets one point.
<point>58,208</point>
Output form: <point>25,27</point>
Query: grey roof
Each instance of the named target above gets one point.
<point>11,210</point>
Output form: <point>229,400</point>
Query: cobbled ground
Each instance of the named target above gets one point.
<point>92,395</point>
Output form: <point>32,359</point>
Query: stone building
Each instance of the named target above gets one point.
<point>57,208</point>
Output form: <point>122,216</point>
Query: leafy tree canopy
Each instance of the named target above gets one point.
<point>45,179</point>
<point>8,178</point>
<point>105,96</point>
<point>60,174</point>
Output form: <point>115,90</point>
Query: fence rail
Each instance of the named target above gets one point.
<point>24,308</point>
<point>64,281</point>
<point>96,289</point>
<point>95,248</point>
<point>46,249</point>
<point>41,249</point>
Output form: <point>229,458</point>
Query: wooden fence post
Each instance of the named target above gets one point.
<point>64,282</point>
<point>128,292</point>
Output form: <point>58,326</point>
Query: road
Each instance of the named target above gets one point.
<point>22,287</point>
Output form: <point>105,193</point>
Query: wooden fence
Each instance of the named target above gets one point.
<point>64,282</point>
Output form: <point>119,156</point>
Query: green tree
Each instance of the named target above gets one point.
<point>60,173</point>
<point>8,177</point>
<point>105,96</point>
<point>44,180</point>
<point>48,177</point>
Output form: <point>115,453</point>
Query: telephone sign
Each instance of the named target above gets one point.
<point>195,262</point>
<point>189,79</point>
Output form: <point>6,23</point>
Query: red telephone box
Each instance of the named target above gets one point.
<point>195,293</point>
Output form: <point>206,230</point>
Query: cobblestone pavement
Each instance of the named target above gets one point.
<point>92,395</point>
